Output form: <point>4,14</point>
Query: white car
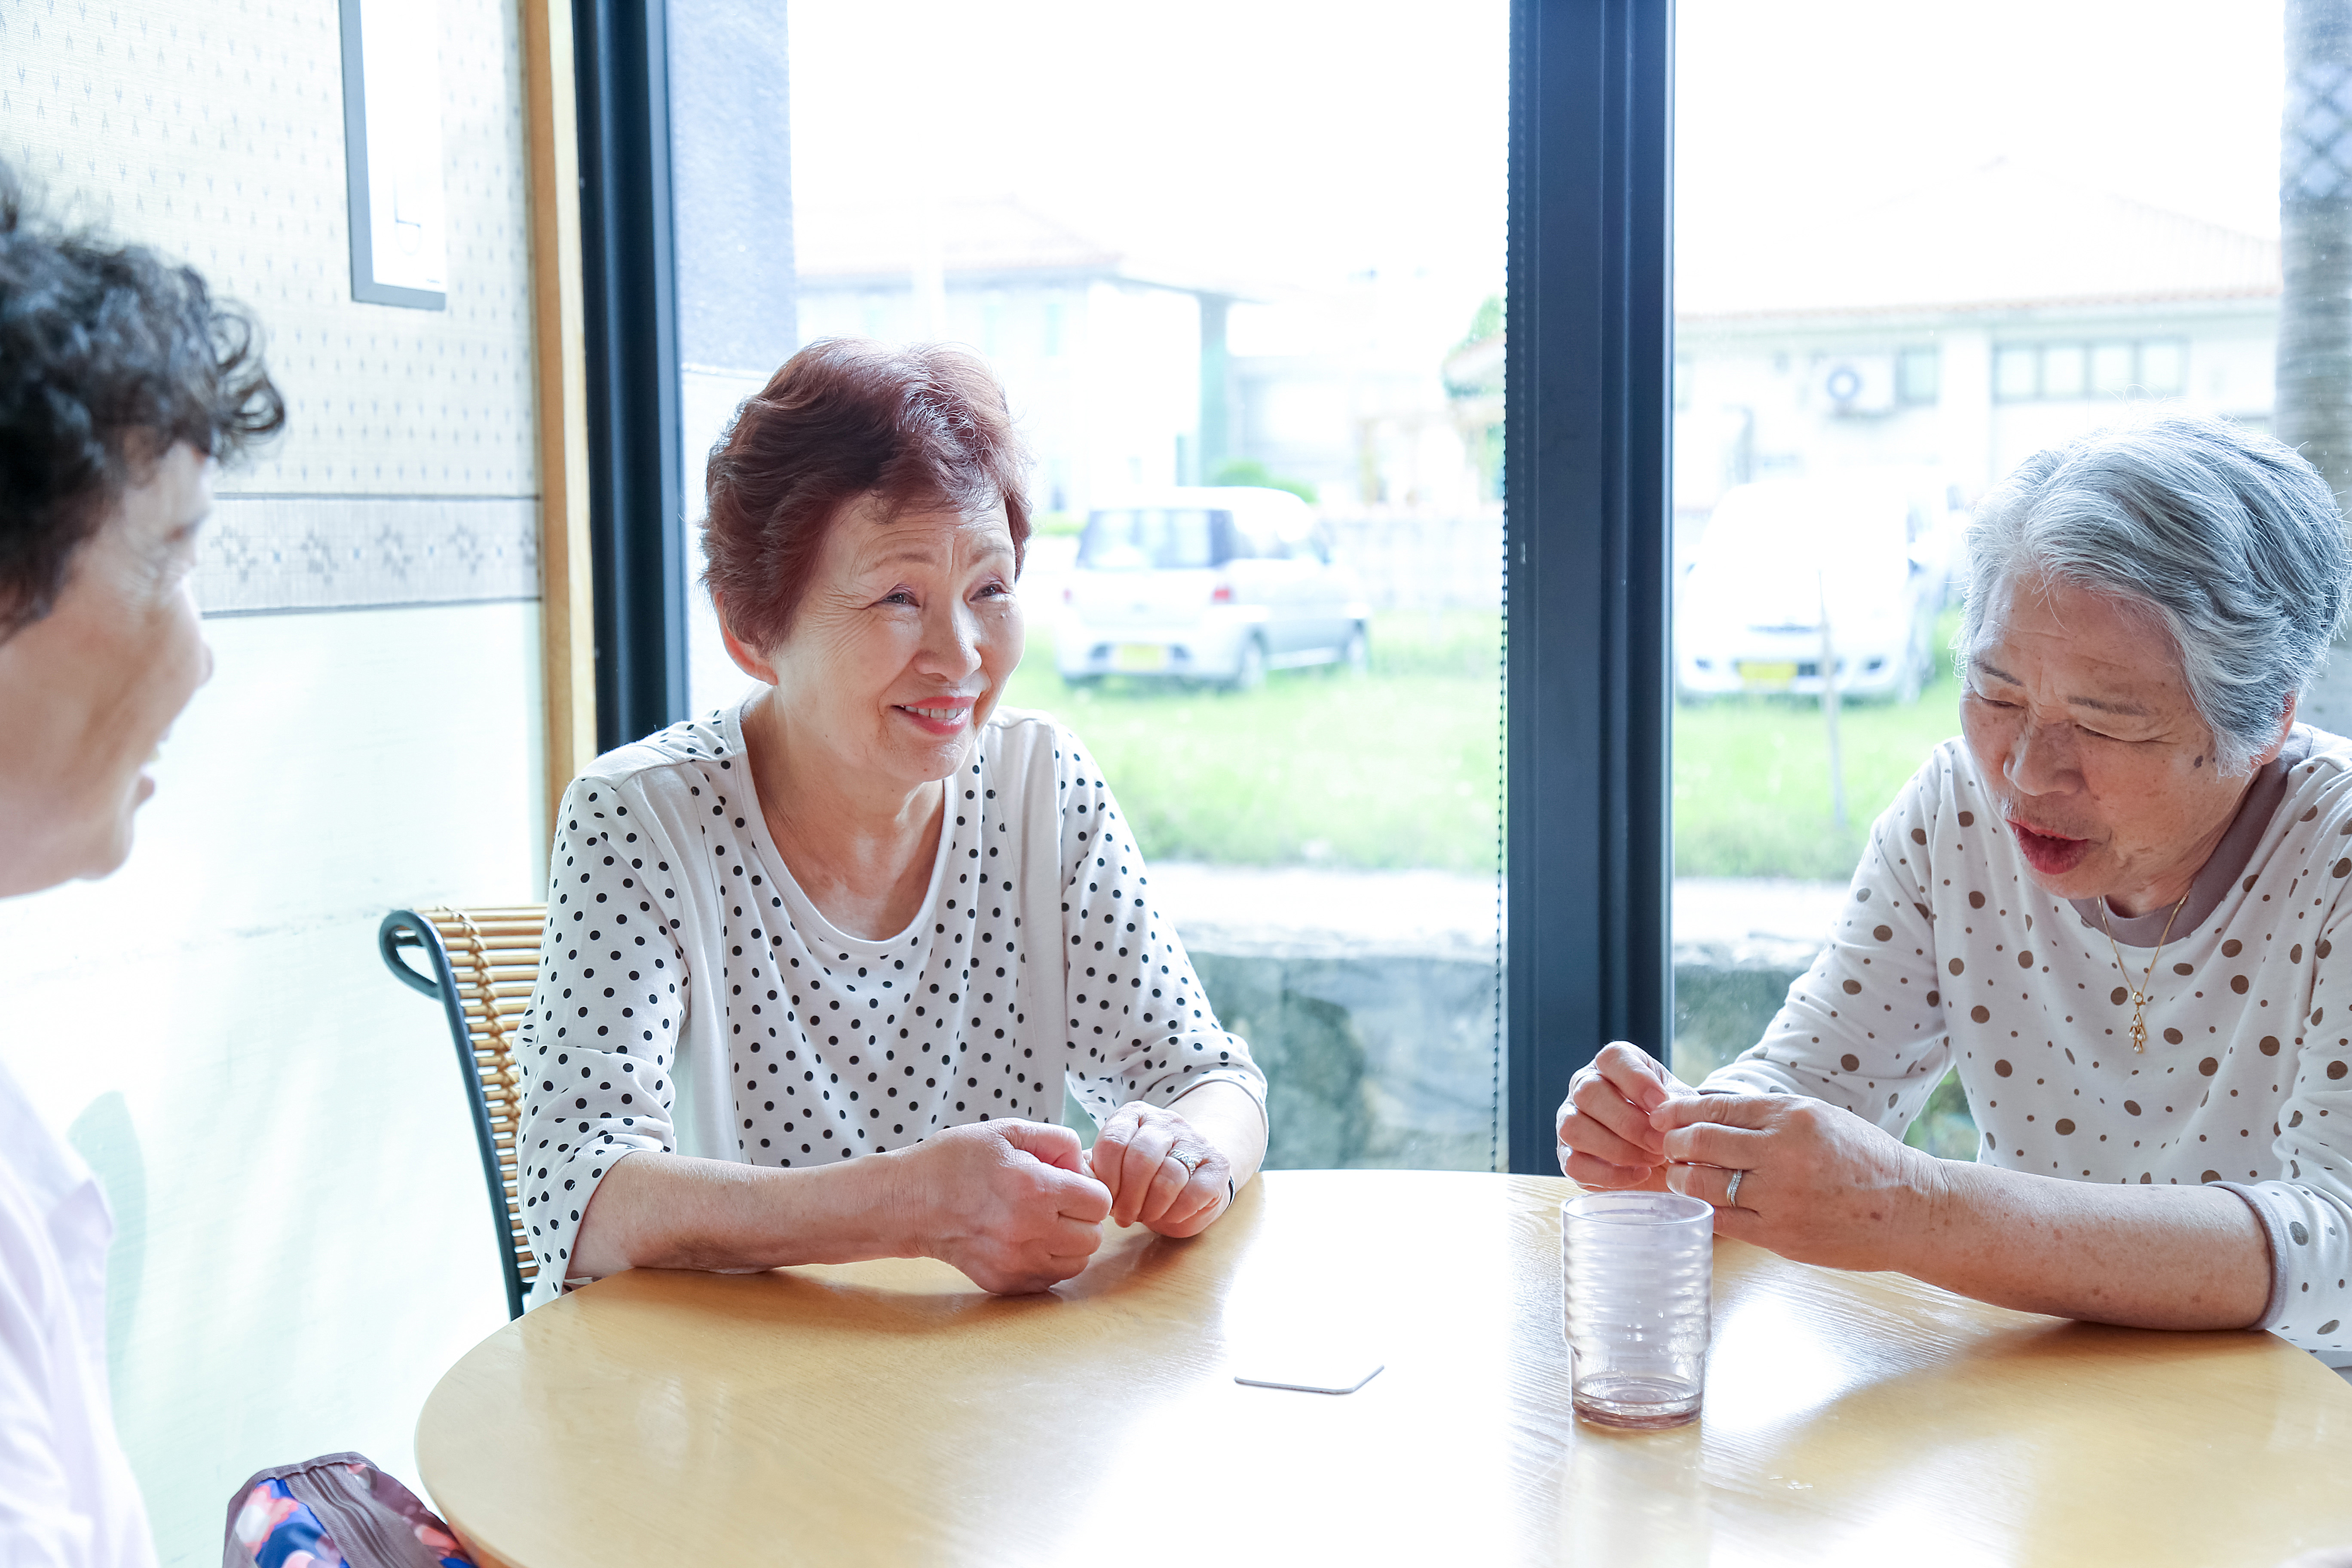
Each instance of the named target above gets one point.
<point>1208,584</point>
<point>1855,562</point>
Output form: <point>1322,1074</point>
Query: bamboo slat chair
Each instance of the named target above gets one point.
<point>484,962</point>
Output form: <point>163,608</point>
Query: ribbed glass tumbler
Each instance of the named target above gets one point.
<point>1637,1270</point>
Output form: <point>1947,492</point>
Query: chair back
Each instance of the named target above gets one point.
<point>484,962</point>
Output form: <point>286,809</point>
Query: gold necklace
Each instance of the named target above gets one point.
<point>2139,992</point>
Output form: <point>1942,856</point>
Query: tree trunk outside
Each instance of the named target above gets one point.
<point>2313,408</point>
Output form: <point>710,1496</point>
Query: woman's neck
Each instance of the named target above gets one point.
<point>862,850</point>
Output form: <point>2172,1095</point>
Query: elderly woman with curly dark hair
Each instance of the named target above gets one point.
<point>122,383</point>
<point>2119,904</point>
<point>819,966</point>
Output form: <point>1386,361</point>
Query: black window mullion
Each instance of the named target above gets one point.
<point>631,322</point>
<point>1587,425</point>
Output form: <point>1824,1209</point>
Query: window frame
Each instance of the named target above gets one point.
<point>1588,420</point>
<point>628,278</point>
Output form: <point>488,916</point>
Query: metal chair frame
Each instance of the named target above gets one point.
<point>478,1024</point>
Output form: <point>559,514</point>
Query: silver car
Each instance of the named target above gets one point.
<point>1852,563</point>
<point>1207,583</point>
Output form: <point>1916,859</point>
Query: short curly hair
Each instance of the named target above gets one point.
<point>910,424</point>
<point>109,355</point>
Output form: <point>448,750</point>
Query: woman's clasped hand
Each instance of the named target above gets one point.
<point>1160,1171</point>
<point>1011,1204</point>
<point>1817,1184</point>
<point>1020,1206</point>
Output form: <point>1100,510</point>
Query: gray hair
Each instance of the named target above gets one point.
<point>2230,538</point>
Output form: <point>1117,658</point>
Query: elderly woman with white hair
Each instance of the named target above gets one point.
<point>2116,903</point>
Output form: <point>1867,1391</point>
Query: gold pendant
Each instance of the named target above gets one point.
<point>2139,1028</point>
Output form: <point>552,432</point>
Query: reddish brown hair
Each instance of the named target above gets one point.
<point>915,425</point>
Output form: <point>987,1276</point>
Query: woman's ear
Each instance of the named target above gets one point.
<point>2269,753</point>
<point>748,659</point>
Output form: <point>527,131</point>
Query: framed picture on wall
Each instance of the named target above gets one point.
<point>392,144</point>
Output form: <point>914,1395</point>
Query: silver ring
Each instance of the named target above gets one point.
<point>1731,1192</point>
<point>1190,1165</point>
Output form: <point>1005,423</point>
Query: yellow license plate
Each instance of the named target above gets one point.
<point>1143,656</point>
<point>1763,672</point>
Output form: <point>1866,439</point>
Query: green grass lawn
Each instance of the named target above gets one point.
<point>1752,777</point>
<point>1395,767</point>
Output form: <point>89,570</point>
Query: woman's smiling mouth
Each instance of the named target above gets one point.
<point>941,716</point>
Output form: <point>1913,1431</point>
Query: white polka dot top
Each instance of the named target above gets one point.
<point>1950,956</point>
<point>692,998</point>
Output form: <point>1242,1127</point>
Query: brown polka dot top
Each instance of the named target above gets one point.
<point>1950,956</point>
<point>690,997</point>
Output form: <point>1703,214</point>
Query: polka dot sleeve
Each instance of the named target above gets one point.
<point>2307,1215</point>
<point>1863,1029</point>
<point>607,1013</point>
<point>1139,1025</point>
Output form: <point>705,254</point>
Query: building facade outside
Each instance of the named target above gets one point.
<point>1962,328</point>
<point>1100,354</point>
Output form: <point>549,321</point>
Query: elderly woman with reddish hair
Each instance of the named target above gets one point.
<point>818,966</point>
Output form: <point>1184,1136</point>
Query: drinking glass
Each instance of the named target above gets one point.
<point>1638,1270</point>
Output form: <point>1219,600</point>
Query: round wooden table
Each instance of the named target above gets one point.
<point>889,1413</point>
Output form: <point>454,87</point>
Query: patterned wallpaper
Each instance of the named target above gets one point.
<point>264,554</point>
<point>213,129</point>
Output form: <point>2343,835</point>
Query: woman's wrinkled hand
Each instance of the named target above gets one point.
<point>1160,1171</point>
<point>1009,1203</point>
<point>1821,1184</point>
<point>1606,1139</point>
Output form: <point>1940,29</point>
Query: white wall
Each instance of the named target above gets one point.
<point>303,1237</point>
<point>303,1241</point>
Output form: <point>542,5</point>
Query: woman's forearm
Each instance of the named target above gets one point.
<point>2155,1257</point>
<point>1228,1116</point>
<point>672,1211</point>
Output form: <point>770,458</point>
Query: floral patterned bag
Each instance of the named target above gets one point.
<point>337,1511</point>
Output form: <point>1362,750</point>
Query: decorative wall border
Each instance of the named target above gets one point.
<point>262,555</point>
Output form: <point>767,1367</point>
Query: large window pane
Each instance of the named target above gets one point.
<point>1240,270</point>
<point>2065,268</point>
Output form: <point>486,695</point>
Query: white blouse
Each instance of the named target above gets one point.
<point>1949,955</point>
<point>690,997</point>
<point>66,1496</point>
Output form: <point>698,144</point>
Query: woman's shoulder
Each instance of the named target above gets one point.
<point>1015,741</point>
<point>1036,761</point>
<point>2314,798</point>
<point>1945,787</point>
<point>683,759</point>
<point>2318,762</point>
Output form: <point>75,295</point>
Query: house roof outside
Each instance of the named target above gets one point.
<point>2004,237</point>
<point>993,237</point>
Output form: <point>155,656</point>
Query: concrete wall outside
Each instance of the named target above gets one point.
<point>1369,997</point>
<point>1374,1062</point>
